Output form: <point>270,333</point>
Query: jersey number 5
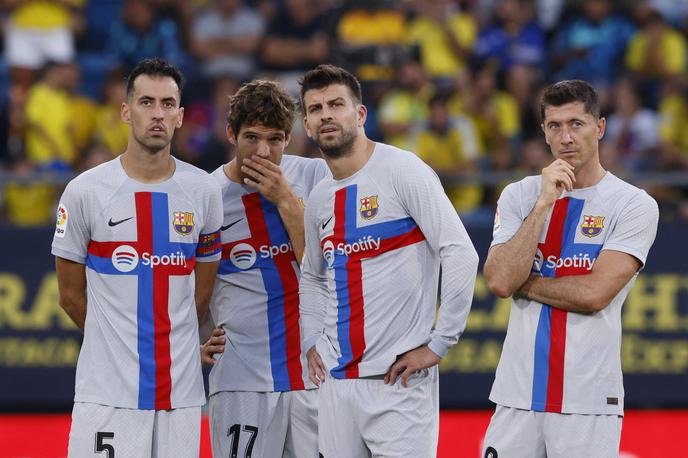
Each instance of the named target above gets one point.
<point>234,431</point>
<point>101,447</point>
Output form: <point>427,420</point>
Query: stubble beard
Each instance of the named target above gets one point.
<point>340,147</point>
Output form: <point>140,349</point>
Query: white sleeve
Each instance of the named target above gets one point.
<point>313,294</point>
<point>508,218</point>
<point>422,193</point>
<point>72,227</point>
<point>636,228</point>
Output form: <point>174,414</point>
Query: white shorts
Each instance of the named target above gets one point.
<point>32,48</point>
<point>362,417</point>
<point>518,433</point>
<point>252,424</point>
<point>111,432</point>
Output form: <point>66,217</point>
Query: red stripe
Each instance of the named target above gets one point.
<point>163,359</point>
<point>557,333</point>
<point>290,287</point>
<point>356,315</point>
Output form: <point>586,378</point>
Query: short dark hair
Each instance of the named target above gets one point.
<point>261,102</point>
<point>570,91</point>
<point>154,67</point>
<point>326,75</point>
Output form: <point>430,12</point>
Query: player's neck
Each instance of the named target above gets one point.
<point>345,166</point>
<point>146,167</point>
<point>232,171</point>
<point>591,174</point>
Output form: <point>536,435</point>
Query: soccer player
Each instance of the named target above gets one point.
<point>377,233</point>
<point>567,246</point>
<point>137,247</point>
<point>261,400</point>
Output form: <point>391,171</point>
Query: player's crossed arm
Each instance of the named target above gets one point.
<point>589,293</point>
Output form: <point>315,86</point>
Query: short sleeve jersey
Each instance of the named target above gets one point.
<point>556,361</point>
<point>140,243</point>
<point>256,297</point>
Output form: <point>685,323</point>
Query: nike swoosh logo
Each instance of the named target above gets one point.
<point>115,223</point>
<point>324,225</point>
<point>224,228</point>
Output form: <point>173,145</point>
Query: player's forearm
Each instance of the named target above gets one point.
<point>508,265</point>
<point>577,294</point>
<point>312,299</point>
<point>205,273</point>
<point>459,269</point>
<point>75,307</point>
<point>291,212</point>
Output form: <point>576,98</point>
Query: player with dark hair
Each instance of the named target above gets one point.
<point>377,233</point>
<point>137,247</point>
<point>567,246</point>
<point>260,397</point>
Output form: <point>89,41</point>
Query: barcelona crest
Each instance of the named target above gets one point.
<point>368,207</point>
<point>592,225</point>
<point>183,223</point>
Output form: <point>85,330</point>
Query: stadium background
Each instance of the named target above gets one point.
<point>455,81</point>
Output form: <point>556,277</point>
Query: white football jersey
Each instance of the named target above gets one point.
<point>555,361</point>
<point>374,245</point>
<point>256,296</point>
<point>140,243</point>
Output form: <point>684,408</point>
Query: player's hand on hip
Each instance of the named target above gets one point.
<point>316,367</point>
<point>410,362</point>
<point>214,345</point>
<point>267,178</point>
<point>557,177</point>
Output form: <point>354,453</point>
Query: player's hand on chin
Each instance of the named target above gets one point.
<point>316,367</point>
<point>410,362</point>
<point>267,178</point>
<point>216,344</point>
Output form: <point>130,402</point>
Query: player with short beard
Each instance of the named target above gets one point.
<point>137,246</point>
<point>377,233</point>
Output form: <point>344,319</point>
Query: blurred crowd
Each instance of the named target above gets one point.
<point>455,81</point>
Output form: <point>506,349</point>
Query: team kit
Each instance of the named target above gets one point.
<point>324,292</point>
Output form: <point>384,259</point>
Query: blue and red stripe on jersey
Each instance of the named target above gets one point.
<point>550,337</point>
<point>281,284</point>
<point>348,274</point>
<point>153,321</point>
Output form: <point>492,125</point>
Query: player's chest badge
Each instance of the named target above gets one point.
<point>183,222</point>
<point>592,225</point>
<point>369,207</point>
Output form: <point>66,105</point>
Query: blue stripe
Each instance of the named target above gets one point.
<point>146,340</point>
<point>277,234</point>
<point>541,365</point>
<point>341,277</point>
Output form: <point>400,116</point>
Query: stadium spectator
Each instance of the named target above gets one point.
<point>296,40</point>
<point>494,112</point>
<point>673,134</point>
<point>202,140</point>
<point>449,144</point>
<point>371,38</point>
<point>109,130</point>
<point>445,35</point>
<point>29,203</point>
<point>225,38</point>
<point>515,39</point>
<point>631,140</point>
<point>405,106</point>
<point>38,32</point>
<point>50,140</point>
<point>655,53</point>
<point>138,34</point>
<point>592,46</point>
